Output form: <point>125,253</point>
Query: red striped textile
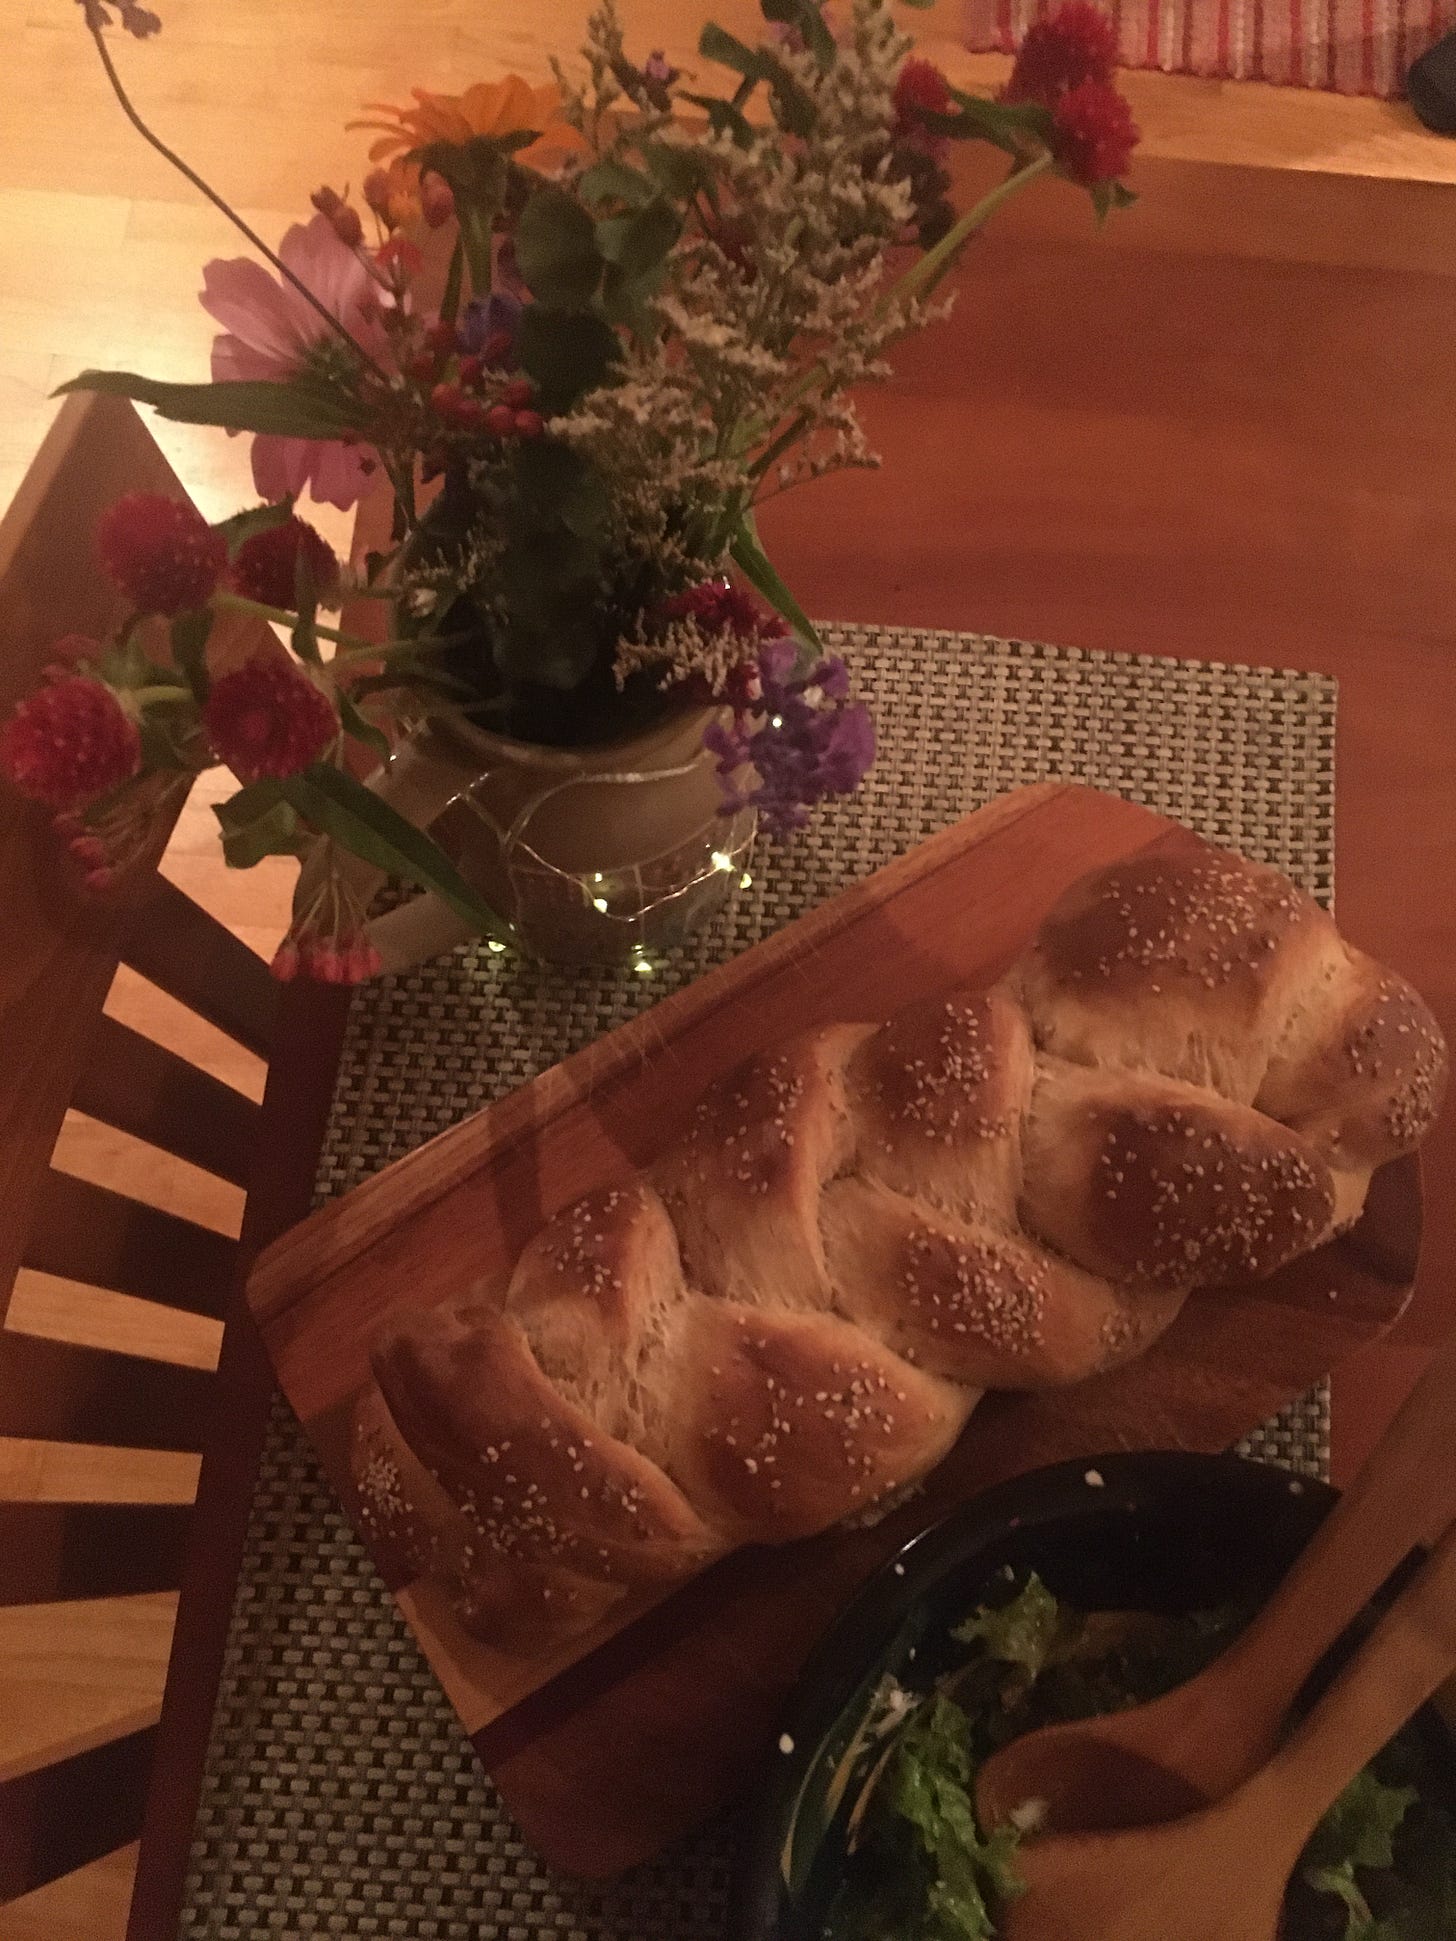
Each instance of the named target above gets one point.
<point>1346,46</point>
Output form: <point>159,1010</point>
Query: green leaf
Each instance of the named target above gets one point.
<point>162,732</point>
<point>250,801</point>
<point>567,352</point>
<point>1110,196</point>
<point>344,809</point>
<point>680,172</point>
<point>794,108</point>
<point>1015,127</point>
<point>357,724</point>
<point>300,407</point>
<point>189,648</point>
<point>557,485</point>
<point>760,571</point>
<point>637,244</point>
<point>724,118</point>
<point>556,249</point>
<point>928,1785</point>
<point>244,526</point>
<point>615,182</point>
<point>807,17</point>
<point>1361,1825</point>
<point>269,828</point>
<point>636,247</point>
<point>1023,1632</point>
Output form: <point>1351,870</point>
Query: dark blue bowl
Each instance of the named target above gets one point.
<point>1151,1531</point>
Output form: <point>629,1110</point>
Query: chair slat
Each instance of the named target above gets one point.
<point>62,1550</point>
<point>32,1471</point>
<point>49,1389</point>
<point>90,1904</point>
<point>78,1675</point>
<point>175,944</point>
<point>47,1308</point>
<point>59,1819</point>
<point>85,1232</point>
<point>141,1088</point>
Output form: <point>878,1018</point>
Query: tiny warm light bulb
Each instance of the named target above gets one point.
<point>778,721</point>
<point>721,859</point>
<point>599,903</point>
<point>493,945</point>
<point>744,880</point>
<point>641,964</point>
<point>597,878</point>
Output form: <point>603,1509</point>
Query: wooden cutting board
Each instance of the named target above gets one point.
<point>607,1753</point>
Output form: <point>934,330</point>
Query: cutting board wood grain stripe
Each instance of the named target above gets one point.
<point>626,1739</point>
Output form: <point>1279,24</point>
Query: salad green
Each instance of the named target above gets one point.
<point>1380,1867</point>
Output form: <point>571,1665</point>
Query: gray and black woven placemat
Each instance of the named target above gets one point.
<point>341,1796</point>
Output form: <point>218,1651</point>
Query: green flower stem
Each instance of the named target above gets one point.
<point>918,280</point>
<point>205,188</point>
<point>353,646</point>
<point>922,276</point>
<point>146,697</point>
<point>239,603</point>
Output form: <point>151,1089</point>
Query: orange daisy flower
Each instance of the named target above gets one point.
<point>492,108</point>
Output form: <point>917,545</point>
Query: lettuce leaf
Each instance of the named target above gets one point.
<point>928,1787</point>
<point>1023,1633</point>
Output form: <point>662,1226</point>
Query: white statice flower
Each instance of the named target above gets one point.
<point>771,308</point>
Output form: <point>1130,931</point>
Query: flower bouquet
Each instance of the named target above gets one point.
<point>579,333</point>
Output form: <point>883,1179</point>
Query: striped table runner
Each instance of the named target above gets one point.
<point>1347,46</point>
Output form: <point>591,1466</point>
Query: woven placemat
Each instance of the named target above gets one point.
<point>340,1795</point>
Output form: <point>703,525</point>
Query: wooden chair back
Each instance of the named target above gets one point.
<point>110,1296</point>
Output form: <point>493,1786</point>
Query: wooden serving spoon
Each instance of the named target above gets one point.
<point>1221,1874</point>
<point>1159,1760</point>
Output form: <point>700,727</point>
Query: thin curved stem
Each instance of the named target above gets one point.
<point>204,188</point>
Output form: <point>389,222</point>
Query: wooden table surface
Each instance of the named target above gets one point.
<point>1162,441</point>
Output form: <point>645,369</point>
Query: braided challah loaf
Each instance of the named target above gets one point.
<point>1186,1080</point>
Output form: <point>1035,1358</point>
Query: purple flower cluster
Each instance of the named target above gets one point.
<point>803,737</point>
<point>497,318</point>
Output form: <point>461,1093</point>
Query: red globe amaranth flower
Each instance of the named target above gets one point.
<point>920,89</point>
<point>265,567</point>
<point>1093,135</point>
<point>268,718</point>
<point>161,552</point>
<point>1061,51</point>
<point>69,743</point>
<point>720,607</point>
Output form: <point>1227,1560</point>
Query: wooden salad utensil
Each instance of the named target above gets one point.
<point>1196,1743</point>
<point>1220,1874</point>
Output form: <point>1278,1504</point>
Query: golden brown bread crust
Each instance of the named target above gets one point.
<point>1176,965</point>
<point>743,1185</point>
<point>416,1530</point>
<point>1186,1079</point>
<point>531,1471</point>
<point>1153,1183</point>
<point>993,1310</point>
<point>938,1096</point>
<point>781,1424</point>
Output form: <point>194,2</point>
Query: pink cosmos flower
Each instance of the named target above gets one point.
<point>267,329</point>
